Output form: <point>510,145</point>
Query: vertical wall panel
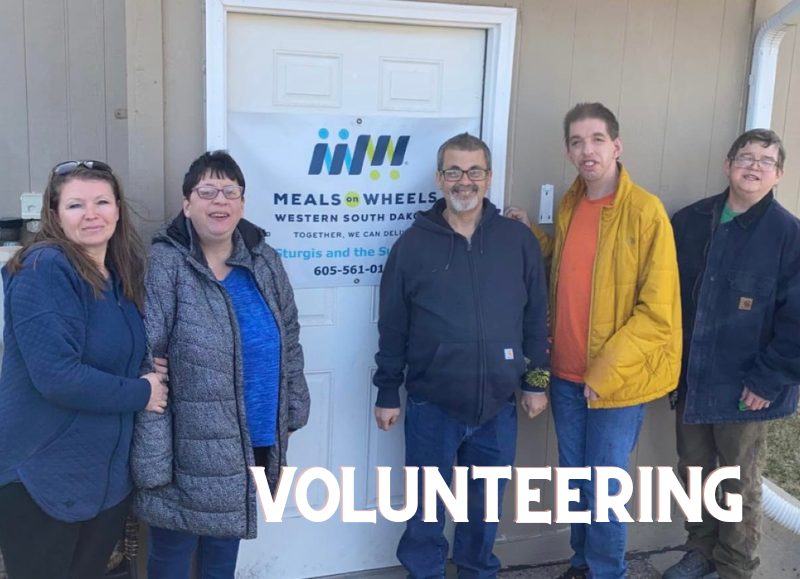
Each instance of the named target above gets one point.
<point>599,42</point>
<point>544,91</point>
<point>646,76</point>
<point>730,93</point>
<point>45,47</point>
<point>145,57</point>
<point>597,62</point>
<point>692,96</point>
<point>13,107</point>
<point>116,129</point>
<point>86,90</point>
<point>184,89</point>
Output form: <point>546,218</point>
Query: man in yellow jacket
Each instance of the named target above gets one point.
<point>615,321</point>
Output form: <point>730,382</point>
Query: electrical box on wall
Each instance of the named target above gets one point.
<point>31,205</point>
<point>546,203</point>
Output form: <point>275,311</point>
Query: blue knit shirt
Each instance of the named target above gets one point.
<point>261,355</point>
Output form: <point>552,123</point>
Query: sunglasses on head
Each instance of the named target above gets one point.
<point>68,167</point>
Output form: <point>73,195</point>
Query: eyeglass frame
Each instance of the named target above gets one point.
<point>747,161</point>
<point>466,172</point>
<point>67,167</point>
<point>217,190</point>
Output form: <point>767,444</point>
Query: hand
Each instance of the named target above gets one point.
<point>158,393</point>
<point>753,401</point>
<point>533,403</point>
<point>160,367</point>
<point>519,214</point>
<point>386,417</point>
<point>590,394</point>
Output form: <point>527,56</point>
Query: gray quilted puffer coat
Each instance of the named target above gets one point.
<point>190,463</point>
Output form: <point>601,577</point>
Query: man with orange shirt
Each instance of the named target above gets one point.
<point>615,321</point>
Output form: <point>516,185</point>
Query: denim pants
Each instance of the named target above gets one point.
<point>434,438</point>
<point>601,437</point>
<point>170,555</point>
<point>732,546</point>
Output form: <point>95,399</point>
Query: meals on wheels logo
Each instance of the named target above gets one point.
<point>373,152</point>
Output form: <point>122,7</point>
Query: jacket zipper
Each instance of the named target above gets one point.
<point>235,326</point>
<point>119,415</point>
<point>237,388</point>
<point>481,338</point>
<point>591,294</point>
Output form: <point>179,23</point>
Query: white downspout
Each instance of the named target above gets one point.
<point>765,64</point>
<point>759,116</point>
<point>784,510</point>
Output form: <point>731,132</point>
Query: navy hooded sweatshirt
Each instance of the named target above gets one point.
<point>460,317</point>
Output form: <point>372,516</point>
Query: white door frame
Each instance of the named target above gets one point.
<point>500,25</point>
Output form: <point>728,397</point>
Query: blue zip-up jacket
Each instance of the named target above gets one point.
<point>461,316</point>
<point>68,388</point>
<point>740,290</point>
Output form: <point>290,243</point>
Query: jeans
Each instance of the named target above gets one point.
<point>732,546</point>
<point>601,437</point>
<point>170,555</point>
<point>434,438</point>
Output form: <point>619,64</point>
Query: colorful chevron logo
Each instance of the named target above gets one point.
<point>366,151</point>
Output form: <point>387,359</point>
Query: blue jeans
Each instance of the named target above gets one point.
<point>602,437</point>
<point>170,555</point>
<point>434,438</point>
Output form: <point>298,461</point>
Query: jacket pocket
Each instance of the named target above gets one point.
<point>152,449</point>
<point>745,281</point>
<point>57,435</point>
<point>749,292</point>
<point>505,364</point>
<point>452,361</point>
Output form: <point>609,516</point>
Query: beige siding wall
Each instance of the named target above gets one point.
<point>63,68</point>
<point>673,71</point>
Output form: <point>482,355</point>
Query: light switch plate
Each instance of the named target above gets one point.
<point>546,204</point>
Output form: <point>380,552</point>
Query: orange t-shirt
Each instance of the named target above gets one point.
<point>574,290</point>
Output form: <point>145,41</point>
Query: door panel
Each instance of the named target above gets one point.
<point>307,66</point>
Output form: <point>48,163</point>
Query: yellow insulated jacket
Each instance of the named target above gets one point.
<point>634,342</point>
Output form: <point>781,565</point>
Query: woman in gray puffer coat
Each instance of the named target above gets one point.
<point>219,306</point>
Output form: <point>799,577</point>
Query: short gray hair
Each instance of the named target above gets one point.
<point>464,142</point>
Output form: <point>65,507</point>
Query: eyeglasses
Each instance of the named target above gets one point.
<point>474,174</point>
<point>209,192</point>
<point>68,167</point>
<point>764,163</point>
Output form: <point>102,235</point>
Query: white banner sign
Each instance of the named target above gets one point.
<point>335,192</point>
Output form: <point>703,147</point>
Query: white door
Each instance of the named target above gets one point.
<point>312,67</point>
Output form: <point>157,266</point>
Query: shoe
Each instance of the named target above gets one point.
<point>575,573</point>
<point>693,565</point>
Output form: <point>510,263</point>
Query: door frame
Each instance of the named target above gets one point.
<point>499,23</point>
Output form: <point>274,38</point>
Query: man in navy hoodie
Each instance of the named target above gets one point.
<point>739,262</point>
<point>463,307</point>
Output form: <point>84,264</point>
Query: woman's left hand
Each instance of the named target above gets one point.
<point>160,367</point>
